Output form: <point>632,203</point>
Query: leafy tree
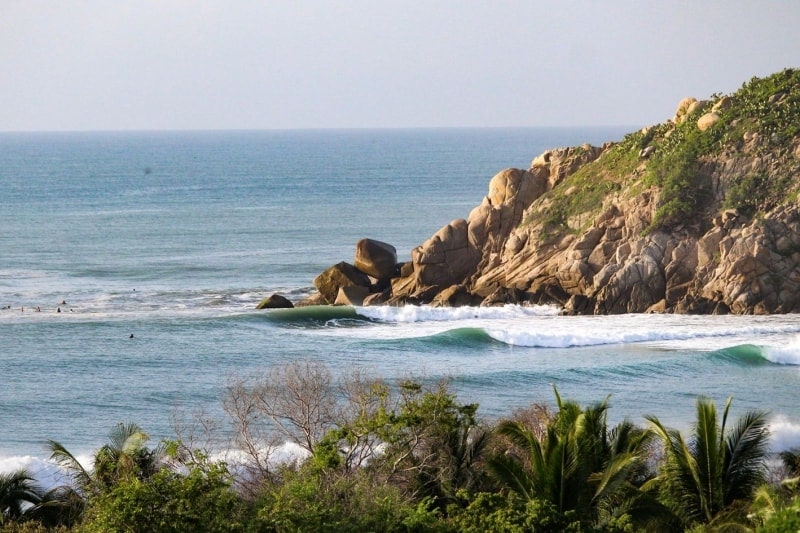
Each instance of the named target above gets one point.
<point>702,479</point>
<point>508,513</point>
<point>433,443</point>
<point>200,500</point>
<point>578,465</point>
<point>309,499</point>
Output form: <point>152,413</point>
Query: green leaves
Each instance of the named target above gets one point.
<point>578,466</point>
<point>700,478</point>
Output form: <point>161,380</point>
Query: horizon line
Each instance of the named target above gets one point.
<point>310,129</point>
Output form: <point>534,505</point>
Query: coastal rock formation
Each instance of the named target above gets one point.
<point>699,214</point>
<point>366,281</point>
<point>339,276</point>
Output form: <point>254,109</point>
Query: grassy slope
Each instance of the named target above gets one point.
<point>768,107</point>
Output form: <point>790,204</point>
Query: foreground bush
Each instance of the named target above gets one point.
<point>199,501</point>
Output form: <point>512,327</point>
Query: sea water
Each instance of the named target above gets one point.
<point>131,263</point>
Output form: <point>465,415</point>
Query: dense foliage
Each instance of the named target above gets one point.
<point>406,456</point>
<point>762,119</point>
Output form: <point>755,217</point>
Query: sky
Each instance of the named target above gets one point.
<point>284,64</point>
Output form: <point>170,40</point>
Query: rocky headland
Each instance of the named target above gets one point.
<point>699,214</point>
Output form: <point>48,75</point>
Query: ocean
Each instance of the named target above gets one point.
<point>131,263</point>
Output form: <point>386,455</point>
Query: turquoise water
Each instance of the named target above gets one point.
<point>174,237</point>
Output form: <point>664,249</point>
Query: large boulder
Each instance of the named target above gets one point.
<point>339,275</point>
<point>276,301</point>
<point>707,121</point>
<point>352,295</point>
<point>683,109</point>
<point>375,258</point>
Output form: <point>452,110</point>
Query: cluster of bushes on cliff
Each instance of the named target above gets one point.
<point>376,456</point>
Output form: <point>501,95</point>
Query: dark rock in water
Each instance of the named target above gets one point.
<point>276,301</point>
<point>339,275</point>
<point>375,258</point>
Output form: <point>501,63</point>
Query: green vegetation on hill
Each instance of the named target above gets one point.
<point>760,120</point>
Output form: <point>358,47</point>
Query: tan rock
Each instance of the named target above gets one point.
<point>339,275</point>
<point>352,295</point>
<point>683,107</point>
<point>697,106</point>
<point>707,121</point>
<point>723,104</point>
<point>375,258</point>
<point>456,296</point>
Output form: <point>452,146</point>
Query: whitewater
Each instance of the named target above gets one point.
<point>132,263</point>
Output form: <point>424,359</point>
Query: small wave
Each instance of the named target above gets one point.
<point>464,337</point>
<point>742,354</point>
<point>315,316</point>
<point>46,472</point>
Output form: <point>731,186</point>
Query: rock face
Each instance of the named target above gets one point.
<point>696,215</point>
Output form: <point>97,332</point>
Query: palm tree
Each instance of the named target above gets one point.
<point>791,460</point>
<point>18,494</point>
<point>126,455</point>
<point>578,464</point>
<point>717,467</point>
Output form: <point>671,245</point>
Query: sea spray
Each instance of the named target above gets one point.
<point>787,354</point>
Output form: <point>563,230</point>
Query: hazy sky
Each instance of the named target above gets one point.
<point>240,64</point>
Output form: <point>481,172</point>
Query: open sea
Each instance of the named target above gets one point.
<point>173,237</point>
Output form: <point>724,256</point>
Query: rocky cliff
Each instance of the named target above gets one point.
<point>699,214</point>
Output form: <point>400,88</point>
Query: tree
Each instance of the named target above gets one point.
<point>578,466</point>
<point>791,460</point>
<point>416,436</point>
<point>125,455</point>
<point>702,479</point>
<point>199,500</point>
<point>18,494</point>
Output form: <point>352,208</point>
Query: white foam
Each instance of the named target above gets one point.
<point>787,354</point>
<point>784,434</point>
<point>46,473</point>
<point>667,330</point>
<point>542,327</point>
<point>422,313</point>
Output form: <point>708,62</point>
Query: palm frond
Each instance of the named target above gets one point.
<point>512,474</point>
<point>614,475</point>
<point>68,462</point>
<point>746,448</point>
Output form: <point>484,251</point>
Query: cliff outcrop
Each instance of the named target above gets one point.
<point>699,214</point>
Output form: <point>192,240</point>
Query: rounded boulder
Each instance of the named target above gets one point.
<point>375,258</point>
